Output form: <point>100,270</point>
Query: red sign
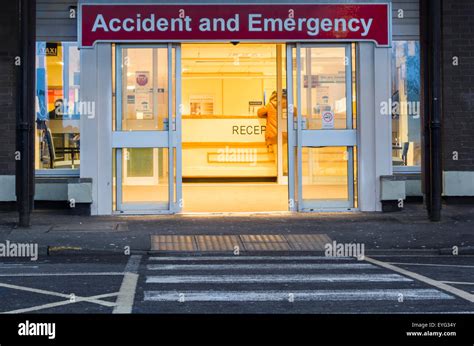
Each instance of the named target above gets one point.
<point>212,22</point>
<point>142,79</point>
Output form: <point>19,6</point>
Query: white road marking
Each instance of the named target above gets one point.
<point>66,302</point>
<point>431,264</point>
<point>261,266</point>
<point>128,288</point>
<point>17,266</point>
<point>460,293</point>
<point>56,294</point>
<point>457,283</point>
<point>63,274</point>
<point>274,296</point>
<point>251,258</point>
<point>424,256</point>
<point>276,278</point>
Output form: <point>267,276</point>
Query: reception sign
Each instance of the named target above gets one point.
<point>217,22</point>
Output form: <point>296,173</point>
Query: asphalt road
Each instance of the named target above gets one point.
<point>242,284</point>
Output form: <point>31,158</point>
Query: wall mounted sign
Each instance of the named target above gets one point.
<point>249,22</point>
<point>51,49</point>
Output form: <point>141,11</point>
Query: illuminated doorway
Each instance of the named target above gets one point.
<point>223,128</point>
<point>234,142</point>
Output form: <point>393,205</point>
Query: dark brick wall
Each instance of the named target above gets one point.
<point>458,112</point>
<point>8,50</point>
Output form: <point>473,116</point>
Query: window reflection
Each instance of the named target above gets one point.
<point>405,104</point>
<point>57,142</point>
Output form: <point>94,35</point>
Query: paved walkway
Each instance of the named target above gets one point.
<point>409,229</point>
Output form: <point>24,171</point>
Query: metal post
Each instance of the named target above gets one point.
<point>436,109</point>
<point>431,44</point>
<point>425,104</point>
<point>26,86</point>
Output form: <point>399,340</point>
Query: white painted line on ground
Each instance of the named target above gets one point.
<point>128,288</point>
<point>66,302</point>
<point>62,274</point>
<point>235,279</point>
<point>420,255</point>
<point>17,266</point>
<point>431,264</point>
<point>460,293</point>
<point>425,313</point>
<point>251,258</point>
<point>261,266</point>
<point>56,294</point>
<point>133,264</point>
<point>275,296</point>
<point>457,283</point>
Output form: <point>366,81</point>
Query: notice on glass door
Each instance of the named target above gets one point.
<point>328,120</point>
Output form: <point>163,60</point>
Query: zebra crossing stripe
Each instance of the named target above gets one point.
<point>262,266</point>
<point>275,296</point>
<point>181,279</point>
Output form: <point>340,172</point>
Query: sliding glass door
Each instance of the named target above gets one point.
<point>323,117</point>
<point>146,136</point>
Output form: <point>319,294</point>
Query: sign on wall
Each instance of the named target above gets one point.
<point>211,22</point>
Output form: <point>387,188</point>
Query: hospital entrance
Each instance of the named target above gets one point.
<point>203,127</point>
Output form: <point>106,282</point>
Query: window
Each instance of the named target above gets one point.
<point>57,140</point>
<point>405,105</point>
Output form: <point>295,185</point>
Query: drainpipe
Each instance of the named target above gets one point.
<point>431,47</point>
<point>425,105</point>
<point>436,110</point>
<point>26,86</point>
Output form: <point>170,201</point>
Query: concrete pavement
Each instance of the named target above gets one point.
<point>407,230</point>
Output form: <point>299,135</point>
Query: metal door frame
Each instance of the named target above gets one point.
<point>170,139</point>
<point>300,137</point>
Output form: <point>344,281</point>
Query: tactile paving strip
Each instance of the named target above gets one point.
<point>173,243</point>
<point>218,242</point>
<point>308,242</point>
<point>244,242</point>
<point>264,242</point>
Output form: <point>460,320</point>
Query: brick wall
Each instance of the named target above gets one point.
<point>458,113</point>
<point>8,50</point>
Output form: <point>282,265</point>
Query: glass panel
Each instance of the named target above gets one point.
<point>114,89</point>
<point>58,109</point>
<point>145,176</point>
<point>140,162</point>
<point>325,173</point>
<point>354,85</point>
<point>405,104</point>
<point>323,88</point>
<point>356,173</point>
<point>114,180</point>
<point>144,89</point>
<point>226,80</point>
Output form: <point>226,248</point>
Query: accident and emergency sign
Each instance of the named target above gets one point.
<point>181,23</point>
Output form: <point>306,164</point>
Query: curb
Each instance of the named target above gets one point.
<point>81,251</point>
<point>77,250</point>
<point>466,250</point>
